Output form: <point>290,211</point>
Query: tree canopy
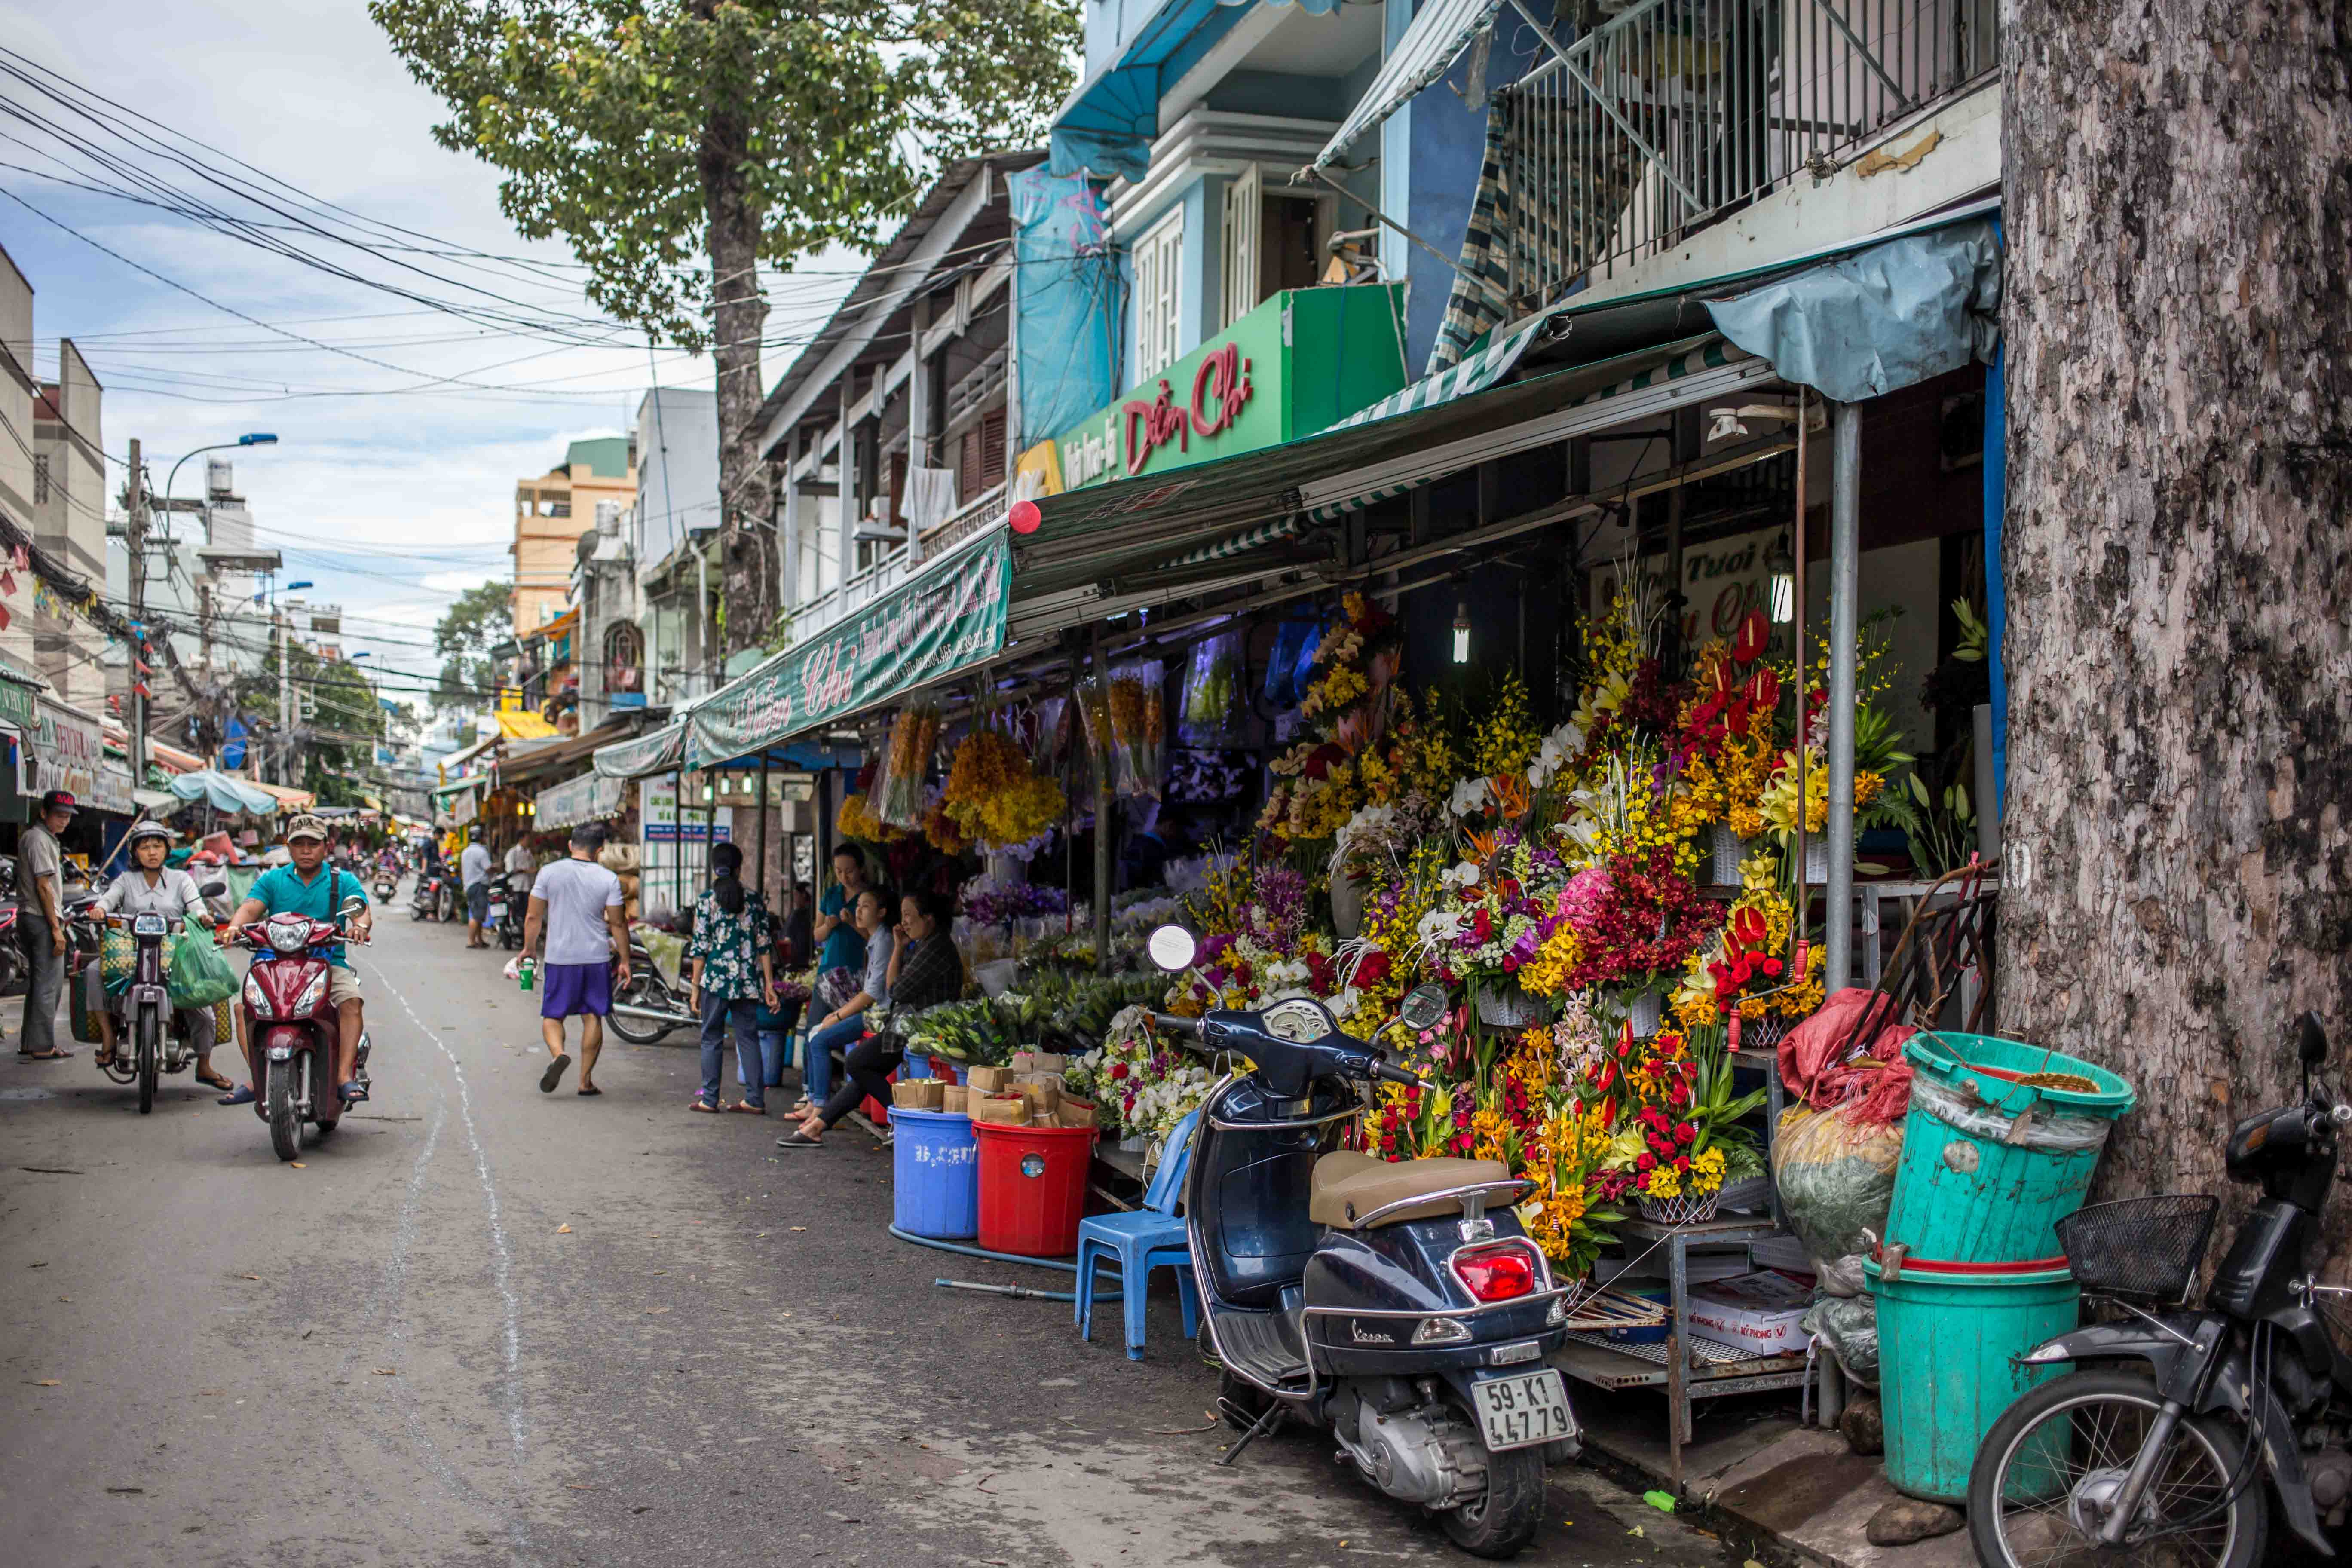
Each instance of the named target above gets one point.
<point>478,621</point>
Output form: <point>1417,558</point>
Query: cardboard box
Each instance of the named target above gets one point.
<point>1074,1114</point>
<point>918,1093</point>
<point>1042,1098</point>
<point>952,1099</point>
<point>1756,1312</point>
<point>988,1080</point>
<point>1004,1109</point>
<point>1026,1062</point>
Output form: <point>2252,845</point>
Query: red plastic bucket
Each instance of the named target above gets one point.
<point>1033,1187</point>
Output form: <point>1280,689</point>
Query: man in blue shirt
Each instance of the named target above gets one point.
<point>309,887</point>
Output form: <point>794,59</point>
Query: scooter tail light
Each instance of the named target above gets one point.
<point>1498,1273</point>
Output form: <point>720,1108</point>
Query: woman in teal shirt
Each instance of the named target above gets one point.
<point>842,959</point>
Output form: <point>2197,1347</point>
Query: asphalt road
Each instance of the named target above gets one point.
<point>484,1326</point>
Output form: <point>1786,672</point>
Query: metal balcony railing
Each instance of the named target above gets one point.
<point>865,586</point>
<point>1673,114</point>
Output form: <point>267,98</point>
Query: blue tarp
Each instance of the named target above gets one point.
<point>225,793</point>
<point>1110,123</point>
<point>1880,319</point>
<point>1066,297</point>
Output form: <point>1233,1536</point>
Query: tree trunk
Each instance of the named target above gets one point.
<point>2177,558</point>
<point>739,314</point>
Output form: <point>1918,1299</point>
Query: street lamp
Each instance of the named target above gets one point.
<point>257,438</point>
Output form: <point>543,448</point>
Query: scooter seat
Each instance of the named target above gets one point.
<point>1347,1184</point>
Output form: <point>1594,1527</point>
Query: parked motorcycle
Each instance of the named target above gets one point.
<point>12,957</point>
<point>293,1025</point>
<point>430,901</point>
<point>646,1009</point>
<point>506,912</point>
<point>1400,1304</point>
<point>153,1037</point>
<point>2167,1441</point>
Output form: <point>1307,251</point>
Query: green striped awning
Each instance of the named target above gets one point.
<point>1472,372</point>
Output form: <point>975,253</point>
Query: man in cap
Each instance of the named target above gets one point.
<point>310,887</point>
<point>41,924</point>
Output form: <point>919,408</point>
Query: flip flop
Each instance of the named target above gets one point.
<point>352,1092</point>
<point>215,1081</point>
<point>705,1106</point>
<point>49,1056</point>
<point>796,1139</point>
<point>241,1095</point>
<point>749,1110</point>
<point>554,1073</point>
<point>584,1091</point>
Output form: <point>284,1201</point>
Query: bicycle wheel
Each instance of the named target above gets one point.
<point>2050,1473</point>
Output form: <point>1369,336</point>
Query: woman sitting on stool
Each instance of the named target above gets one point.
<point>924,969</point>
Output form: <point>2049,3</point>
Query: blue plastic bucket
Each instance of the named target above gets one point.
<point>935,1173</point>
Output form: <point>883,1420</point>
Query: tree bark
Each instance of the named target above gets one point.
<point>739,315</point>
<point>2178,564</point>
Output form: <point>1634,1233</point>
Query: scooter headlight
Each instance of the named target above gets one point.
<point>257,999</point>
<point>308,1001</point>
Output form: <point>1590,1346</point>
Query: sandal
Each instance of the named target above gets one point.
<point>214,1080</point>
<point>749,1110</point>
<point>705,1106</point>
<point>241,1095</point>
<point>554,1073</point>
<point>590,1090</point>
<point>796,1139</point>
<point>352,1092</point>
<point>51,1055</point>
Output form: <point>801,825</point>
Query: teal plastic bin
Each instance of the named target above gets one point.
<point>1947,1339</point>
<point>1990,1163</point>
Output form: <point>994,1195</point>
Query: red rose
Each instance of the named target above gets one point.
<point>1118,1071</point>
<point>1372,970</point>
<point>1678,1096</point>
<point>1647,1162</point>
<point>1681,1162</point>
<point>1684,1132</point>
<point>1773,967</point>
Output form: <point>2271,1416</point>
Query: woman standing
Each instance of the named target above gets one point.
<point>925,970</point>
<point>152,887</point>
<point>730,971</point>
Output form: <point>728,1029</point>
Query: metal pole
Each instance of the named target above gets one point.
<point>763,833</point>
<point>285,691</point>
<point>1102,815</point>
<point>1801,898</point>
<point>1845,587</point>
<point>135,539</point>
<point>678,839</point>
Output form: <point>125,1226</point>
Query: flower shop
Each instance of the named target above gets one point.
<point>1640,703</point>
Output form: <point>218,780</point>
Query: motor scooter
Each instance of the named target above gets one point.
<point>645,1009</point>
<point>387,888</point>
<point>1400,1304</point>
<point>431,899</point>
<point>293,1025</point>
<point>505,912</point>
<point>154,1036</point>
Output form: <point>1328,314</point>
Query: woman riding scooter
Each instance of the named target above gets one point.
<point>152,887</point>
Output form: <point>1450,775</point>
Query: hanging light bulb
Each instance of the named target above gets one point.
<point>1783,568</point>
<point>1462,632</point>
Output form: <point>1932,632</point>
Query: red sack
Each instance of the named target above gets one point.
<point>1871,1076</point>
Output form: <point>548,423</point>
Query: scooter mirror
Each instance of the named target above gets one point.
<point>351,906</point>
<point>1172,948</point>
<point>1423,1006</point>
<point>212,889</point>
<point>2312,1047</point>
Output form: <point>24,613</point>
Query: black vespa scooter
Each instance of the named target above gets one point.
<point>1398,1303</point>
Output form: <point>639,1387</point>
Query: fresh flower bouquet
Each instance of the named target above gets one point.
<point>993,796</point>
<point>1679,1134</point>
<point>1138,728</point>
<point>1143,1086</point>
<point>1501,907</point>
<point>995,906</point>
<point>855,820</point>
<point>1631,917</point>
<point>897,793</point>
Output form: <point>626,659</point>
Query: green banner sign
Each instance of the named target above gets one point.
<point>950,615</point>
<point>15,704</point>
<point>1302,360</point>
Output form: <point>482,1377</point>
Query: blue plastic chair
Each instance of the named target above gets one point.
<point>1151,1237</point>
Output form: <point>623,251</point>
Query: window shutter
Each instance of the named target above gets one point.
<point>991,450</point>
<point>968,467</point>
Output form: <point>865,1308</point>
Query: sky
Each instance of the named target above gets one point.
<point>390,487</point>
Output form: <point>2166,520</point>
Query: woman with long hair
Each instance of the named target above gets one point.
<point>730,970</point>
<point>924,969</point>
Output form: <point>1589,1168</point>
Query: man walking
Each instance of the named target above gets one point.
<point>520,865</point>
<point>41,925</point>
<point>578,904</point>
<point>474,876</point>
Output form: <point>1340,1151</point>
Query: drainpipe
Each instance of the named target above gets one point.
<point>702,612</point>
<point>1845,590</point>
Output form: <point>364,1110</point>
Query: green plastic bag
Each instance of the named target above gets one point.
<point>200,976</point>
<point>118,960</point>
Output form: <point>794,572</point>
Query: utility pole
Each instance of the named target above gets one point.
<point>285,691</point>
<point>134,506</point>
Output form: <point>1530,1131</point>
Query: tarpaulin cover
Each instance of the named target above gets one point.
<point>1880,319</point>
<point>1109,124</point>
<point>225,793</point>
<point>1066,296</point>
<point>657,752</point>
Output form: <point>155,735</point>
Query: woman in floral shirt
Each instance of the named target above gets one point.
<point>730,970</point>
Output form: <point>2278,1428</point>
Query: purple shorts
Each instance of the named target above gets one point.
<point>568,990</point>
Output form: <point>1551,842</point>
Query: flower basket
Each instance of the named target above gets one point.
<point>1509,1008</point>
<point>1347,904</point>
<point>1134,1143</point>
<point>1684,1210</point>
<point>1726,851</point>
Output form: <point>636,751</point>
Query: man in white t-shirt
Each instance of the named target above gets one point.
<point>577,904</point>
<point>520,864</point>
<point>474,876</point>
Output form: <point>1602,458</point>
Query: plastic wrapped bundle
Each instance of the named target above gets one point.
<point>1836,1176</point>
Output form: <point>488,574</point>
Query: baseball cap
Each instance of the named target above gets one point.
<point>306,826</point>
<point>59,800</point>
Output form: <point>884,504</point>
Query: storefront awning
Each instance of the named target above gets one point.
<point>591,797</point>
<point>656,752</point>
<point>1426,52</point>
<point>948,617</point>
<point>469,784</point>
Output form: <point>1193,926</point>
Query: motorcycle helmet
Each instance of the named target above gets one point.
<point>147,827</point>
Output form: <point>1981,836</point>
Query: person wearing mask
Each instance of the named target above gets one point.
<point>730,970</point>
<point>474,876</point>
<point>41,925</point>
<point>149,887</point>
<point>578,904</point>
<point>843,957</point>
<point>844,1026</point>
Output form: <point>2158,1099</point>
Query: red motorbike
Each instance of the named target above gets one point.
<point>293,1025</point>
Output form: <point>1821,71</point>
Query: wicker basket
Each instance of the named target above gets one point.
<point>1685,1210</point>
<point>1726,851</point>
<point>1643,1013</point>
<point>1597,1310</point>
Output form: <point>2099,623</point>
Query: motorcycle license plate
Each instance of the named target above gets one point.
<point>1526,1408</point>
<point>497,911</point>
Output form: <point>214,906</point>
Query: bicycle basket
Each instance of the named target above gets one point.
<point>2140,1246</point>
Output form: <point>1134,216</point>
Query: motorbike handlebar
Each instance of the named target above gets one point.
<point>1184,1028</point>
<point>1388,1073</point>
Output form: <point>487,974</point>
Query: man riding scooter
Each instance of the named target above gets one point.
<point>310,887</point>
